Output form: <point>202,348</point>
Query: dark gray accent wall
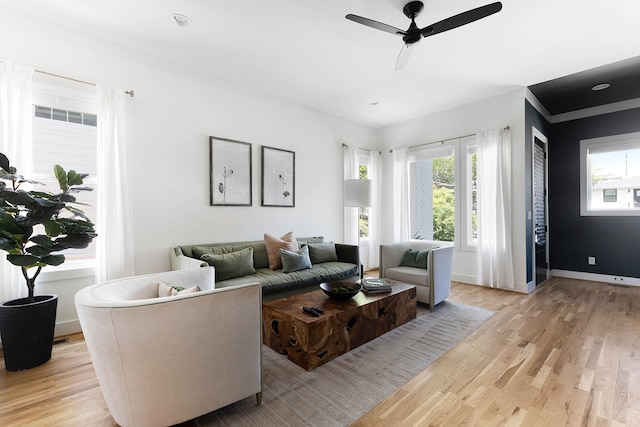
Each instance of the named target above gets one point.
<point>614,240</point>
<point>531,118</point>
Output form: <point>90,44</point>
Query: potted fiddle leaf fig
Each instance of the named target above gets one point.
<point>35,226</point>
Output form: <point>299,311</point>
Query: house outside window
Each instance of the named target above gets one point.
<point>610,175</point>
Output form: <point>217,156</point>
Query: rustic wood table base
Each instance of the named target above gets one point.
<point>311,341</point>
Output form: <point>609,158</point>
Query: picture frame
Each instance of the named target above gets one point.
<point>278,177</point>
<point>230,176</point>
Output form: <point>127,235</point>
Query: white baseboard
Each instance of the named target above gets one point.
<point>471,280</point>
<point>594,277</point>
<point>464,278</point>
<point>66,328</point>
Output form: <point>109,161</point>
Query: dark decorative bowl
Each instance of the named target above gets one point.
<point>341,290</point>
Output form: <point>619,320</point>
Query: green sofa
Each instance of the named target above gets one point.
<point>275,283</point>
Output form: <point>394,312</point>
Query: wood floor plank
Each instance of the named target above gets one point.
<point>565,355</point>
<point>568,354</point>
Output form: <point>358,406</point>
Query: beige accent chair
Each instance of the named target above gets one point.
<point>438,271</point>
<point>165,360</point>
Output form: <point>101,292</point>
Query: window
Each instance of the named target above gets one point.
<point>609,195</point>
<point>442,192</point>
<point>65,133</point>
<point>432,193</point>
<point>471,182</point>
<point>363,212</point>
<point>610,175</point>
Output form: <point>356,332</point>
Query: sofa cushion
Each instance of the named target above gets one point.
<point>168,290</point>
<point>276,281</point>
<point>411,275</point>
<point>295,261</point>
<point>322,252</point>
<point>230,265</point>
<point>274,245</point>
<point>414,258</point>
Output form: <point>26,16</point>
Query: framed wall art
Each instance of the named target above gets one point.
<point>230,172</point>
<point>278,177</point>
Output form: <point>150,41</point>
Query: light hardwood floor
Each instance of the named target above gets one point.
<point>568,354</point>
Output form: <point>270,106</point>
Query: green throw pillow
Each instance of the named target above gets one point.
<point>417,259</point>
<point>198,251</point>
<point>322,252</point>
<point>295,261</point>
<point>233,264</point>
<point>169,290</point>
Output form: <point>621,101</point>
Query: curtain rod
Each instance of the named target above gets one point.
<point>357,148</point>
<point>128,92</point>
<point>445,140</point>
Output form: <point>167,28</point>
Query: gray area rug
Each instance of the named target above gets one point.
<point>342,390</point>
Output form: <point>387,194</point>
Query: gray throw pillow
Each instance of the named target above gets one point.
<point>295,261</point>
<point>234,264</point>
<point>322,252</point>
<point>413,258</point>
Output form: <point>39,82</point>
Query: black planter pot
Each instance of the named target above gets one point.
<point>27,331</point>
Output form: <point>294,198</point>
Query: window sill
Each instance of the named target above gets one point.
<point>68,270</point>
<point>610,212</point>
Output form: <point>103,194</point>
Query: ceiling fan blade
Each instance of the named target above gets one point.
<point>375,24</point>
<point>404,56</point>
<point>461,19</point>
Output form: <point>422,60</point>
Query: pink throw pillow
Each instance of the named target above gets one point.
<point>273,245</point>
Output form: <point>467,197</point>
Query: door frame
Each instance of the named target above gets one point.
<point>537,134</point>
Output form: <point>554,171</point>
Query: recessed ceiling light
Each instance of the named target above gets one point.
<point>601,86</point>
<point>179,19</point>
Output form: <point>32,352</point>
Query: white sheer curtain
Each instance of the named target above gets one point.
<point>495,256</point>
<point>350,166</point>
<point>374,211</point>
<point>400,195</point>
<point>114,244</point>
<point>15,143</point>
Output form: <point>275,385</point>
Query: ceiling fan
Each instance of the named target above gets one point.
<point>414,34</point>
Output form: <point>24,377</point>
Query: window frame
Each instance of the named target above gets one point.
<point>364,159</point>
<point>64,94</point>
<point>468,146</point>
<point>611,142</point>
<point>462,239</point>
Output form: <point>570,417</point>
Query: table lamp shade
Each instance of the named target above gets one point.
<point>357,193</point>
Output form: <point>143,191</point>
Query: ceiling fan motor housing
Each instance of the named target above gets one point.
<point>411,10</point>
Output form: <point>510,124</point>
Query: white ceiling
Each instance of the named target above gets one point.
<point>307,52</point>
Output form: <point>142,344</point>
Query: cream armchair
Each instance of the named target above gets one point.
<point>165,360</point>
<point>438,271</point>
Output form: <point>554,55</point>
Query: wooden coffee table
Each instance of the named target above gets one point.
<point>311,341</point>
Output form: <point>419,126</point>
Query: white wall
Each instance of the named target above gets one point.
<point>500,111</point>
<point>170,119</point>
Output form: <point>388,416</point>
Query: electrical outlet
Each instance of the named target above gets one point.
<point>591,260</point>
